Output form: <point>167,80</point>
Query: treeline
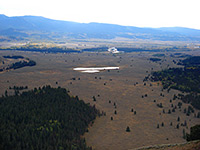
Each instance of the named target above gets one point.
<point>128,50</point>
<point>185,79</point>
<point>155,59</point>
<point>18,87</point>
<point>44,118</point>
<point>13,57</point>
<point>159,55</point>
<point>191,62</point>
<point>19,64</point>
<point>97,49</point>
<point>192,98</point>
<point>37,48</point>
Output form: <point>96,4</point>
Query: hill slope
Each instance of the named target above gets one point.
<point>44,118</point>
<point>39,27</point>
<point>194,145</point>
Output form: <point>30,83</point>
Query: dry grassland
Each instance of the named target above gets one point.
<point>119,87</point>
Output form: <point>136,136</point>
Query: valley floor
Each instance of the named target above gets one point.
<point>127,100</point>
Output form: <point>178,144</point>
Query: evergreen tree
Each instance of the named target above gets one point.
<point>115,112</point>
<point>94,98</point>
<point>177,126</point>
<point>178,119</point>
<point>128,129</point>
<point>184,134</point>
<point>6,93</point>
<point>163,111</point>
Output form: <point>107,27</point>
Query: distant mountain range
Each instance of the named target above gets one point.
<point>34,27</point>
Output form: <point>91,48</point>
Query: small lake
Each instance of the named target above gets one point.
<point>95,69</point>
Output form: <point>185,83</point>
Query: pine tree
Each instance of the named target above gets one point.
<point>178,119</point>
<point>177,126</point>
<point>115,112</point>
<point>163,111</point>
<point>185,123</point>
<point>184,134</point>
<point>128,129</point>
<point>6,93</point>
<point>94,98</point>
<point>111,118</point>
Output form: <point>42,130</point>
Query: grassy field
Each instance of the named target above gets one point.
<point>117,86</point>
<point>194,145</point>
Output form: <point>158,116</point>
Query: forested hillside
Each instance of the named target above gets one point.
<point>185,79</point>
<point>44,118</point>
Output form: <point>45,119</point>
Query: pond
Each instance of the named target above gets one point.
<point>95,69</point>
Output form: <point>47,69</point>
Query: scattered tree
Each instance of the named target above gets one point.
<point>128,129</point>
<point>111,118</point>
<point>178,119</point>
<point>163,111</point>
<point>177,126</point>
<point>94,98</point>
<point>115,112</point>
<point>184,134</point>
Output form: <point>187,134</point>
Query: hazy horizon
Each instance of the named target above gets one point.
<point>102,22</point>
<point>138,13</point>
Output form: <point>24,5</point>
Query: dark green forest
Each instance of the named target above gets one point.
<point>44,118</point>
<point>19,64</point>
<point>155,59</point>
<point>194,133</point>
<point>185,79</point>
<point>191,61</point>
<point>13,57</point>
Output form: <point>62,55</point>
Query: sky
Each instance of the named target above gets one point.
<point>139,13</point>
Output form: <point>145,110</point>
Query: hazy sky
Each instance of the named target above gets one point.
<point>141,13</point>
